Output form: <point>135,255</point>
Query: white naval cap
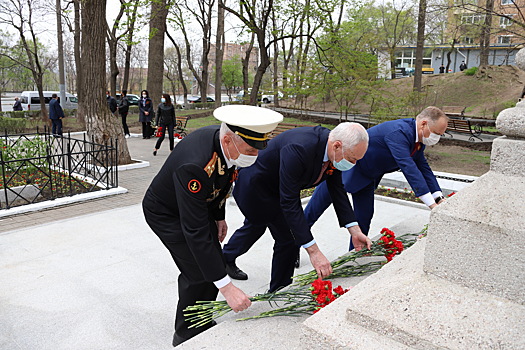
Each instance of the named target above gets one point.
<point>252,123</point>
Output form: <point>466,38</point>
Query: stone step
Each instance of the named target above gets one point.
<point>281,332</point>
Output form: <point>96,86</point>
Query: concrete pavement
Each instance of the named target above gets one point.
<point>93,276</point>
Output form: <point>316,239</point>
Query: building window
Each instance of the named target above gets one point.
<point>473,18</point>
<point>504,39</point>
<point>504,21</point>
<point>467,40</point>
<point>506,2</point>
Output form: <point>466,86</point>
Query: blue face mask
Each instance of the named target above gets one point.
<point>163,100</point>
<point>343,164</point>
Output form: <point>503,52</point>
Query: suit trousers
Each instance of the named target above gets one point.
<point>192,286</point>
<point>284,249</point>
<point>57,126</point>
<point>363,201</point>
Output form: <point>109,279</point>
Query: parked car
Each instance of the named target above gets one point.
<point>133,99</point>
<point>191,99</point>
<point>197,99</point>
<point>31,101</point>
<point>265,97</point>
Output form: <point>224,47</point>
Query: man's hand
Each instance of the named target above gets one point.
<point>319,261</point>
<point>222,227</point>
<point>359,239</point>
<point>235,297</point>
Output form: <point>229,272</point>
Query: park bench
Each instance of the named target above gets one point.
<point>282,127</point>
<point>180,125</point>
<point>179,130</point>
<point>454,111</point>
<point>464,126</point>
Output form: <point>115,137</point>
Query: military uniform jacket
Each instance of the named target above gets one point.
<point>292,161</point>
<point>392,146</point>
<point>189,191</point>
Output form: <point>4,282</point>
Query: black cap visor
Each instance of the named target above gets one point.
<point>255,139</point>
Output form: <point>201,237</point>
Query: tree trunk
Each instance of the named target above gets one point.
<point>219,53</point>
<point>113,67</point>
<point>485,34</point>
<point>418,75</point>
<point>263,65</point>
<point>61,67</point>
<point>157,28</point>
<point>246,66</point>
<point>179,68</point>
<point>127,63</point>
<point>78,61</point>
<point>101,125</point>
<point>275,83</point>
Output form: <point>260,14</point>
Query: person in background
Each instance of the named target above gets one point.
<point>185,205</point>
<point>394,145</point>
<point>123,109</point>
<point>441,69</point>
<point>165,120</point>
<point>18,105</point>
<point>462,66</point>
<point>112,102</point>
<point>146,114</point>
<point>56,114</point>
<point>268,195</point>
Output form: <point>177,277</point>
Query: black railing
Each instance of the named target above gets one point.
<point>38,167</point>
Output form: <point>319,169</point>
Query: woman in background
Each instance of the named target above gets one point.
<point>146,114</point>
<point>165,120</point>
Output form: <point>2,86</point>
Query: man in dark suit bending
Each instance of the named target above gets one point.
<point>394,145</point>
<point>268,194</point>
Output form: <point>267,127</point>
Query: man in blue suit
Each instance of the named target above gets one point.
<point>268,194</point>
<point>56,114</point>
<point>393,145</point>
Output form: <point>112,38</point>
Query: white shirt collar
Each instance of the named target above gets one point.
<point>228,163</point>
<point>325,159</point>
<point>417,136</point>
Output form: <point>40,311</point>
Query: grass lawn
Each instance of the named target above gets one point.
<point>195,123</point>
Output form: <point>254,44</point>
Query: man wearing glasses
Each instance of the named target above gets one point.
<point>393,145</point>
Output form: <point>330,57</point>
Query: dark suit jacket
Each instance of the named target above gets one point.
<point>112,104</point>
<point>55,110</point>
<point>390,148</point>
<point>188,198</point>
<point>292,162</point>
<point>17,106</point>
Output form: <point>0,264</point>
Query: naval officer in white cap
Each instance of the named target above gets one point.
<point>184,205</point>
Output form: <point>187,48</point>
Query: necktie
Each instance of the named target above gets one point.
<point>417,147</point>
<point>323,169</point>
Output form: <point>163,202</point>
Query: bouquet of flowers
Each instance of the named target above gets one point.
<point>308,294</point>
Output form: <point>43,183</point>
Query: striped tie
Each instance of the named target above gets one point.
<point>323,169</point>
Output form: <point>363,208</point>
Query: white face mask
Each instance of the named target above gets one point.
<point>243,160</point>
<point>344,164</point>
<point>432,139</point>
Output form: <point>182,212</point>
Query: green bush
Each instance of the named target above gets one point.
<point>471,71</point>
<point>12,125</point>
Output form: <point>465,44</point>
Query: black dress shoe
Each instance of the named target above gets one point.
<point>236,273</point>
<point>177,339</point>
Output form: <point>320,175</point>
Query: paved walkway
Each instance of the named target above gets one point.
<point>93,276</point>
<point>136,181</point>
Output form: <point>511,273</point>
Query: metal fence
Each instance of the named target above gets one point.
<point>38,167</point>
